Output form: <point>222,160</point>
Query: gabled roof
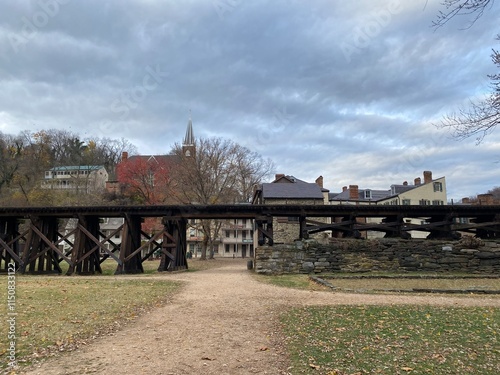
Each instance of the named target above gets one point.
<point>154,158</point>
<point>289,187</point>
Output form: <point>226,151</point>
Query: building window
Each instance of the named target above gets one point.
<point>424,202</point>
<point>368,194</point>
<point>227,248</point>
<point>235,248</point>
<point>228,234</point>
<point>244,234</point>
<point>406,202</point>
<point>438,186</point>
<point>192,233</point>
<point>437,203</point>
<point>244,222</point>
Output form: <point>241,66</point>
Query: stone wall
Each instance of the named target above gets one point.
<point>285,231</point>
<point>348,255</point>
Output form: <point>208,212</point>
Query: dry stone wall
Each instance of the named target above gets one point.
<point>347,255</point>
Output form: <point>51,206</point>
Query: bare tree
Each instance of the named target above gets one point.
<point>454,8</point>
<point>218,172</point>
<point>481,117</point>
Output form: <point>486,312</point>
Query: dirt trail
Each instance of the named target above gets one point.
<point>222,322</point>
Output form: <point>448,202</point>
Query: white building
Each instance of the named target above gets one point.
<point>81,179</point>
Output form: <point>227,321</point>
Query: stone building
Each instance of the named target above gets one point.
<point>290,190</point>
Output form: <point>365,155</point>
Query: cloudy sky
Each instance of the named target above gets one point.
<point>347,90</point>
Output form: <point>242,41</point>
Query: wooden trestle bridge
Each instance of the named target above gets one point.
<point>30,236</point>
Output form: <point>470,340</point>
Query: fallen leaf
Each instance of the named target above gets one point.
<point>263,348</point>
<point>407,369</point>
<point>207,359</point>
<point>312,365</point>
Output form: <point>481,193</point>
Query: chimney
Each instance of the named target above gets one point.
<point>405,183</point>
<point>353,192</point>
<point>417,181</point>
<point>344,188</point>
<point>427,177</point>
<point>319,181</point>
<point>465,200</point>
<point>485,199</point>
<point>278,176</point>
<point>124,155</point>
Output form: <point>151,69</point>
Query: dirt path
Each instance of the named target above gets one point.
<point>222,322</point>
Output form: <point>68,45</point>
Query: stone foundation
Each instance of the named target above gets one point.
<point>469,255</point>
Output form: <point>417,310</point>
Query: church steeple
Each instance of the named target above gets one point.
<point>188,146</point>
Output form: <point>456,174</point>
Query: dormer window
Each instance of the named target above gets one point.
<point>438,186</point>
<point>368,194</point>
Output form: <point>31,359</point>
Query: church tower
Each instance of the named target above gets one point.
<point>188,146</point>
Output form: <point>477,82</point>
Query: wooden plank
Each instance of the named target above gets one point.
<point>50,244</point>
<point>98,243</point>
<point>131,255</point>
<point>11,252</point>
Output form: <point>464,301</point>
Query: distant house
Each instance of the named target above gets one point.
<point>290,190</point>
<point>430,192</point>
<point>80,179</point>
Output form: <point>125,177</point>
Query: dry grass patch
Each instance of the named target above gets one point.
<point>291,281</point>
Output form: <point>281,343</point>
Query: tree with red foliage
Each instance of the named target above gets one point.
<point>146,180</point>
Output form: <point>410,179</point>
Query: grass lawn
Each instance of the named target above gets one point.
<point>393,340</point>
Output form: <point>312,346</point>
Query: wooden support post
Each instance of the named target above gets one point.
<point>40,253</point>
<point>303,233</point>
<point>9,244</point>
<point>85,257</point>
<point>173,251</point>
<point>441,228</point>
<point>394,227</point>
<point>351,231</point>
<point>265,230</point>
<point>491,231</point>
<point>131,240</point>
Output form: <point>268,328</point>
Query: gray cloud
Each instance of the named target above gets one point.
<point>348,91</point>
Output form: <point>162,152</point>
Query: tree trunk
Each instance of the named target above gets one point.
<point>203,250</point>
<point>211,249</point>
